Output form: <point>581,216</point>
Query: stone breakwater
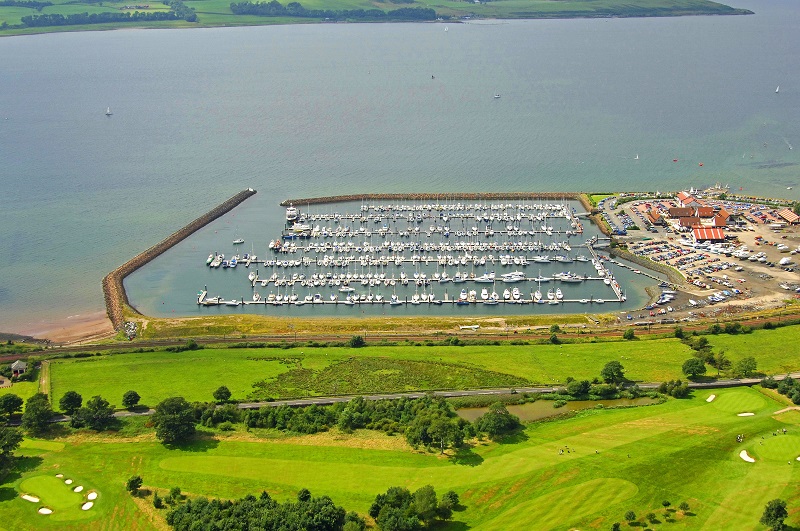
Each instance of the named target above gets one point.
<point>477,196</point>
<point>672,274</point>
<point>113,288</point>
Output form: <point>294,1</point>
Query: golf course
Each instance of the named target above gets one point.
<point>579,472</point>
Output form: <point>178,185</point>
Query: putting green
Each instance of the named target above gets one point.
<point>578,501</point>
<point>779,448</point>
<point>52,492</point>
<point>739,401</point>
<point>56,495</point>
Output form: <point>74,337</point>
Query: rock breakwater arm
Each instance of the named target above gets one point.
<point>113,287</point>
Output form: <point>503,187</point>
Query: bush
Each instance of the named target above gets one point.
<point>630,516</point>
<point>158,503</point>
<point>222,394</point>
<point>554,329</point>
<point>769,383</point>
<point>679,332</point>
<point>356,342</point>
<point>554,339</point>
<point>130,399</point>
<point>629,334</point>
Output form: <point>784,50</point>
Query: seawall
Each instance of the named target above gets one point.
<point>113,287</point>
<point>475,196</point>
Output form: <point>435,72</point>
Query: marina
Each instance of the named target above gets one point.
<point>433,253</point>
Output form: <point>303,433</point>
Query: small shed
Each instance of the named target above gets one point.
<point>18,368</point>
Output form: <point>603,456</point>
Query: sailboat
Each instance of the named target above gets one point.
<point>109,113</point>
<point>636,157</point>
<point>777,89</point>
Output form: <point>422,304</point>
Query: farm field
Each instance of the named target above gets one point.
<point>305,371</point>
<point>618,460</point>
<point>218,13</point>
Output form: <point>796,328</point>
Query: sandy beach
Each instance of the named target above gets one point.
<point>73,329</point>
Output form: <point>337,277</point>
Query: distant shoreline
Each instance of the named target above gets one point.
<point>484,11</point>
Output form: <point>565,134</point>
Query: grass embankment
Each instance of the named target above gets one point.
<point>305,371</point>
<point>618,460</point>
<point>211,13</point>
<point>256,325</point>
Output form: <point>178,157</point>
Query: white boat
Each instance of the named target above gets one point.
<point>515,294</point>
<point>237,241</point>
<point>551,294</point>
<point>777,89</point>
<point>506,294</point>
<point>537,296</point>
<point>559,295</point>
<point>291,214</point>
<point>497,96</point>
<point>109,113</point>
<point>210,259</point>
<point>599,301</point>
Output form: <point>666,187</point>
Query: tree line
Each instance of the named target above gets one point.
<point>33,4</point>
<point>295,9</point>
<point>57,19</point>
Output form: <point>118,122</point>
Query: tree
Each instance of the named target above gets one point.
<point>174,420</point>
<point>615,526</point>
<point>223,394</point>
<point>158,503</point>
<point>630,516</point>
<point>445,431</point>
<point>746,366</point>
<point>449,499</point>
<point>774,514</point>
<point>98,414</point>
<point>679,332</point>
<point>723,363</point>
<point>694,367</point>
<point>303,495</point>
<point>666,504</point>
<point>425,504</point>
<point>130,399</point>
<point>9,441</point>
<point>683,507</point>
<point>554,339</point>
<point>497,421</point>
<point>629,334</point>
<point>555,329</point>
<point>133,484</point>
<point>70,402</point>
<point>613,372</point>
<point>9,404</point>
<point>38,413</point>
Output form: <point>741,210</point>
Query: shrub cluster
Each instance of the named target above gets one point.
<point>674,388</point>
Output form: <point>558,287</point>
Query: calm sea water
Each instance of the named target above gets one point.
<point>327,109</point>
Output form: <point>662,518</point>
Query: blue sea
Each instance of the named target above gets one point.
<point>313,110</point>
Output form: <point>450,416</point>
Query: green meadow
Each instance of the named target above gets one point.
<point>614,460</point>
<point>218,13</point>
<point>306,371</point>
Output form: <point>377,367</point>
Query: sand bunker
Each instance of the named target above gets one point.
<point>744,455</point>
<point>45,510</point>
<point>30,498</point>
<point>59,475</point>
<point>86,506</point>
<point>745,414</point>
<point>78,488</point>
<point>68,481</point>
<point>798,458</point>
<point>93,495</point>
<point>711,398</point>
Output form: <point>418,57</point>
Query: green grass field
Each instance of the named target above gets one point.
<point>618,460</point>
<point>306,371</point>
<point>218,13</point>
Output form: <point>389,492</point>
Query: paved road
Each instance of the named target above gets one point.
<point>327,400</point>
